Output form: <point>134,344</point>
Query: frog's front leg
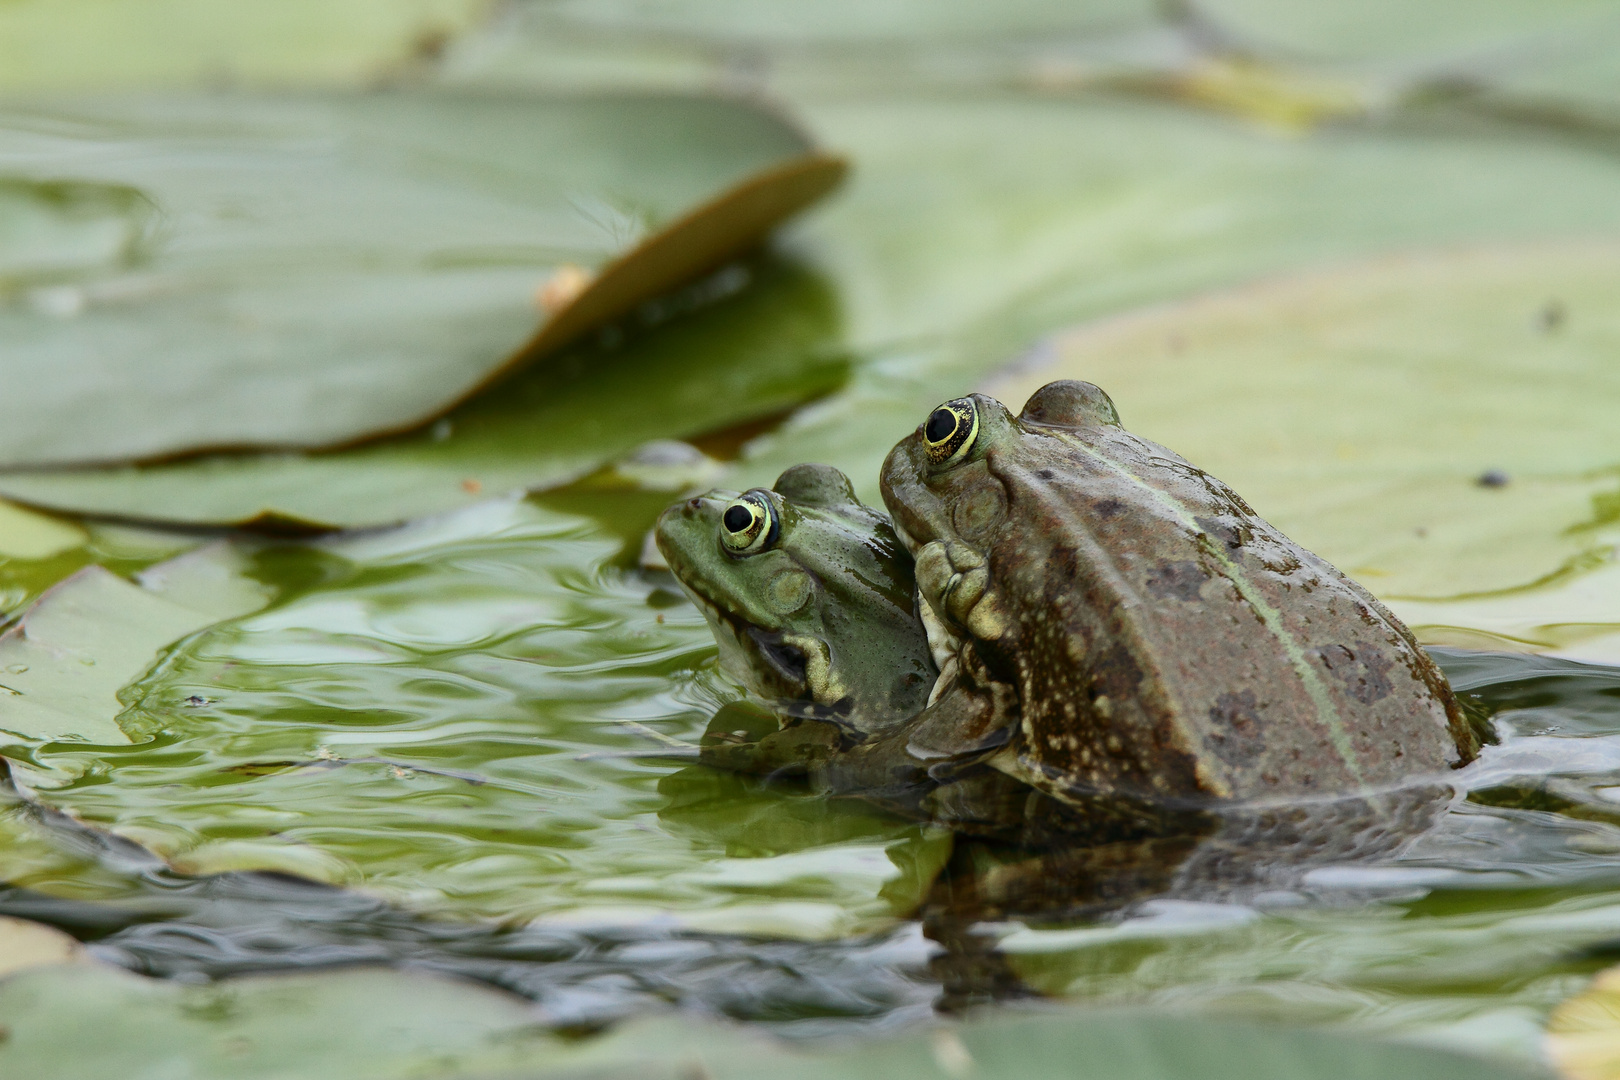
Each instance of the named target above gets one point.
<point>965,724</point>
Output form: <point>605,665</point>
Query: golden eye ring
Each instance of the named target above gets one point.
<point>748,524</point>
<point>949,432</point>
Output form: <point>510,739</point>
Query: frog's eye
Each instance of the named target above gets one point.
<point>950,431</point>
<point>748,524</point>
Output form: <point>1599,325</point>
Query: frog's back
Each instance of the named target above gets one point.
<point>1171,643</point>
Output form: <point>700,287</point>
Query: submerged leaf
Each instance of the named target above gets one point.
<point>63,664</point>
<point>309,271</point>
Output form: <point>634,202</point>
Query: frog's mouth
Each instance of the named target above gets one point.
<point>776,665</point>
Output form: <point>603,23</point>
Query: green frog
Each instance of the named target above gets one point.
<point>1118,626</point>
<point>812,601</point>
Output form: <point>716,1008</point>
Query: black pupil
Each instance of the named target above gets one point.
<point>737,518</point>
<point>940,425</point>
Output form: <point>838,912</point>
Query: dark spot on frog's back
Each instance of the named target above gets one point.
<point>1107,508</point>
<point>1234,722</point>
<point>1062,571</point>
<point>1228,531</point>
<point>1364,669</point>
<point>1115,674</point>
<point>1176,580</point>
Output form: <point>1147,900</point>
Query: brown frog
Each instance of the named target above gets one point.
<point>1115,625</point>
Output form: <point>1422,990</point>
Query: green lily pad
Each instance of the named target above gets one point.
<point>27,535</point>
<point>752,341</point>
<point>186,273</point>
<point>1134,1046</point>
<point>380,1024</point>
<point>790,50</point>
<point>78,44</point>
<point>1445,35</point>
<point>1359,409</point>
<point>452,715</point>
<point>847,21</point>
<point>362,1023</point>
<point>1532,64</point>
<point>973,230</point>
<point>1576,616</point>
<point>63,664</point>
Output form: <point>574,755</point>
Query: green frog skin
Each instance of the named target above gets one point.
<point>1117,624</point>
<point>810,597</point>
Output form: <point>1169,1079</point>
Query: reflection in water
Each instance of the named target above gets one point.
<point>1230,855</point>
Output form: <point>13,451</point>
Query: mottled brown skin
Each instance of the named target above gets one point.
<point>1125,626</point>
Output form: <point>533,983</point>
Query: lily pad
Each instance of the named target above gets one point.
<point>1576,616</point>
<point>789,49</point>
<point>1434,425</point>
<point>186,273</point>
<point>1441,34</point>
<point>1135,1046</point>
<point>972,230</point>
<point>1531,64</point>
<point>380,1024</point>
<point>750,341</point>
<point>27,535</point>
<point>78,44</point>
<point>363,1023</point>
<point>63,664</point>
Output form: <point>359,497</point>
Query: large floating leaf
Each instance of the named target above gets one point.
<point>786,48</point>
<point>453,714</point>
<point>974,229</point>
<point>1133,1046</point>
<point>1575,616</point>
<point>380,1024</point>
<point>1444,34</point>
<point>361,1024</point>
<point>763,338</point>
<point>306,271</point>
<point>25,535</point>
<point>76,44</point>
<point>1291,64</point>
<point>1359,408</point>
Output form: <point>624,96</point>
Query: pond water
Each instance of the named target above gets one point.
<point>473,727</point>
